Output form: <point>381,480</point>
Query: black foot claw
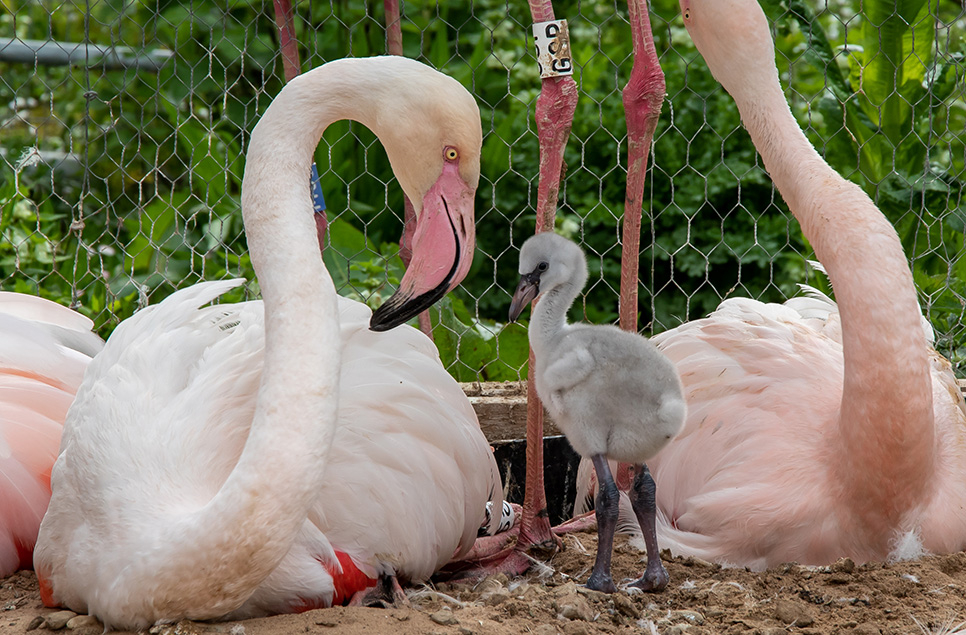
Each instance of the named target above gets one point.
<point>653,580</point>
<point>604,584</point>
<point>385,594</point>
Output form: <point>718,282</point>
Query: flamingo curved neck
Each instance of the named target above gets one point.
<point>549,317</point>
<point>242,534</point>
<point>884,450</point>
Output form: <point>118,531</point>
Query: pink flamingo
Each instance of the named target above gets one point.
<point>816,429</point>
<point>266,457</point>
<point>44,350</point>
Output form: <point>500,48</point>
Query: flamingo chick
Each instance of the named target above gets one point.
<point>610,391</point>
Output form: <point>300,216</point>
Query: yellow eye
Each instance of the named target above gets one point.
<point>451,154</point>
<point>687,14</point>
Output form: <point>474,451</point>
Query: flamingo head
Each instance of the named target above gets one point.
<point>434,148</point>
<point>547,261</point>
<point>734,39</point>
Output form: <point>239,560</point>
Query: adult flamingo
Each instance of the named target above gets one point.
<point>815,431</point>
<point>190,482</point>
<point>44,349</point>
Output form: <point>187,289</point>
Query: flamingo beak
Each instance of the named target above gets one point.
<point>527,290</point>
<point>442,249</point>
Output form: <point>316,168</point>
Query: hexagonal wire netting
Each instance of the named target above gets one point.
<point>124,125</point>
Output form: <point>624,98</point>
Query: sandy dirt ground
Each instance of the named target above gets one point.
<point>926,596</point>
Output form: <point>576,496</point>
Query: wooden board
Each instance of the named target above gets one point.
<point>502,409</point>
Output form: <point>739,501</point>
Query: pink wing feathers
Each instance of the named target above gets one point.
<point>44,349</point>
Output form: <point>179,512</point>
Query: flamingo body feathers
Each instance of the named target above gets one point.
<point>44,350</point>
<point>401,494</point>
<point>816,429</point>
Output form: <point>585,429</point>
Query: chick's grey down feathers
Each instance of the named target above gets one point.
<point>611,392</point>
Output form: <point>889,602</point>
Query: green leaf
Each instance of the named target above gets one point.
<point>155,233</point>
<point>897,37</point>
<point>345,243</point>
<point>462,349</point>
<point>943,78</point>
<point>512,355</point>
<point>819,51</point>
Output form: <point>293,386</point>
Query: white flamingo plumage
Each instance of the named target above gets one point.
<point>190,482</point>
<point>815,430</point>
<point>44,349</point>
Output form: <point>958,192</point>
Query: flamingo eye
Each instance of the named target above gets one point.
<point>451,154</point>
<point>687,14</point>
<point>542,266</point>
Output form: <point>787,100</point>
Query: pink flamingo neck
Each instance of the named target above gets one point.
<point>883,450</point>
<point>289,47</point>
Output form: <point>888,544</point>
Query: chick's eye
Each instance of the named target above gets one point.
<point>451,154</point>
<point>542,266</point>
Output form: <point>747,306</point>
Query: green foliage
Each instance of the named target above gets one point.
<point>888,121</point>
<point>478,349</point>
<point>137,188</point>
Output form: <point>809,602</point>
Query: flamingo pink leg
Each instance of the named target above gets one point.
<point>555,110</point>
<point>554,115</point>
<point>584,522</point>
<point>643,97</point>
<point>285,22</point>
<point>393,28</point>
<point>386,592</point>
<point>556,105</point>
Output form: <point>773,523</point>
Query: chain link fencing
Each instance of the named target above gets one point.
<point>123,126</point>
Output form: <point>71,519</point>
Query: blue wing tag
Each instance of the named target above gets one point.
<point>318,201</point>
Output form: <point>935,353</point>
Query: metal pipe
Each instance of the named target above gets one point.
<point>54,53</point>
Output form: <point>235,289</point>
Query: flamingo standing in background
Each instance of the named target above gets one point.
<point>642,96</point>
<point>44,349</point>
<point>815,430</point>
<point>212,465</point>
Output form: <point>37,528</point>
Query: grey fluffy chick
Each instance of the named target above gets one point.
<point>611,392</point>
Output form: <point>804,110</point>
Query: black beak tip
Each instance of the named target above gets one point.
<point>398,310</point>
<point>526,291</point>
<point>387,317</point>
<point>380,327</point>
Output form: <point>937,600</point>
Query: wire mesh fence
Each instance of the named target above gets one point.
<point>124,125</point>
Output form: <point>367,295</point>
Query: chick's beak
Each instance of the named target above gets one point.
<point>527,290</point>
